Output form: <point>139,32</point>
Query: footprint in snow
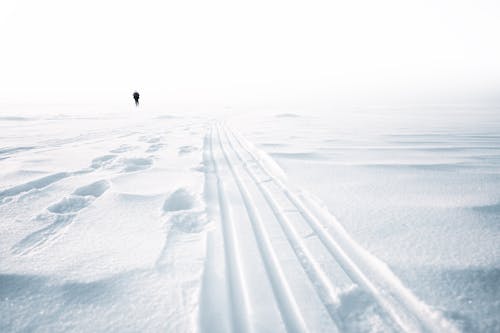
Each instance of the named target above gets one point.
<point>102,161</point>
<point>14,150</point>
<point>186,150</point>
<point>95,189</point>
<point>31,185</point>
<point>199,168</point>
<point>60,215</point>
<point>185,221</point>
<point>150,139</point>
<point>358,311</point>
<point>181,205</point>
<point>71,204</point>
<point>154,147</point>
<point>181,199</point>
<point>49,233</point>
<point>154,139</point>
<point>122,149</point>
<point>191,222</point>
<point>136,164</point>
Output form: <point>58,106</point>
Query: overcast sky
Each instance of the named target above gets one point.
<point>275,51</point>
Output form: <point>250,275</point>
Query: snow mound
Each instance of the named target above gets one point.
<point>181,199</point>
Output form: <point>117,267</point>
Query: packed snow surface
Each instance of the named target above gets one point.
<point>154,220</point>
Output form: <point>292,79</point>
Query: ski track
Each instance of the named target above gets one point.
<point>323,286</point>
<point>349,267</point>
<point>237,286</point>
<point>229,157</point>
<point>214,300</point>
<point>406,312</point>
<point>289,310</point>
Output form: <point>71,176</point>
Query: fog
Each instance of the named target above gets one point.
<point>272,52</point>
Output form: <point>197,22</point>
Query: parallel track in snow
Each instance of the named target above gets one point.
<point>238,292</point>
<point>289,310</point>
<point>323,286</point>
<point>406,312</point>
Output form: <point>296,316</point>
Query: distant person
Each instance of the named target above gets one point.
<point>136,98</point>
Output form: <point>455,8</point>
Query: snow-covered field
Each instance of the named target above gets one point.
<point>346,220</point>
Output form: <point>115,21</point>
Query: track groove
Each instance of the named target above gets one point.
<point>237,287</point>
<point>410,314</point>
<point>318,278</point>
<point>292,318</point>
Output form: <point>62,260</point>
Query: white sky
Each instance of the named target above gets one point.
<point>259,51</point>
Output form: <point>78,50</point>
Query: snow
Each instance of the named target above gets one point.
<point>345,220</point>
<point>181,199</point>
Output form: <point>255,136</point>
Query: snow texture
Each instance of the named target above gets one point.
<point>362,221</point>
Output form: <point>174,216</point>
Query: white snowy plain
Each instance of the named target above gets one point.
<point>156,219</point>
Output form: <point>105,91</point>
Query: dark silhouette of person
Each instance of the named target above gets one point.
<point>136,98</point>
